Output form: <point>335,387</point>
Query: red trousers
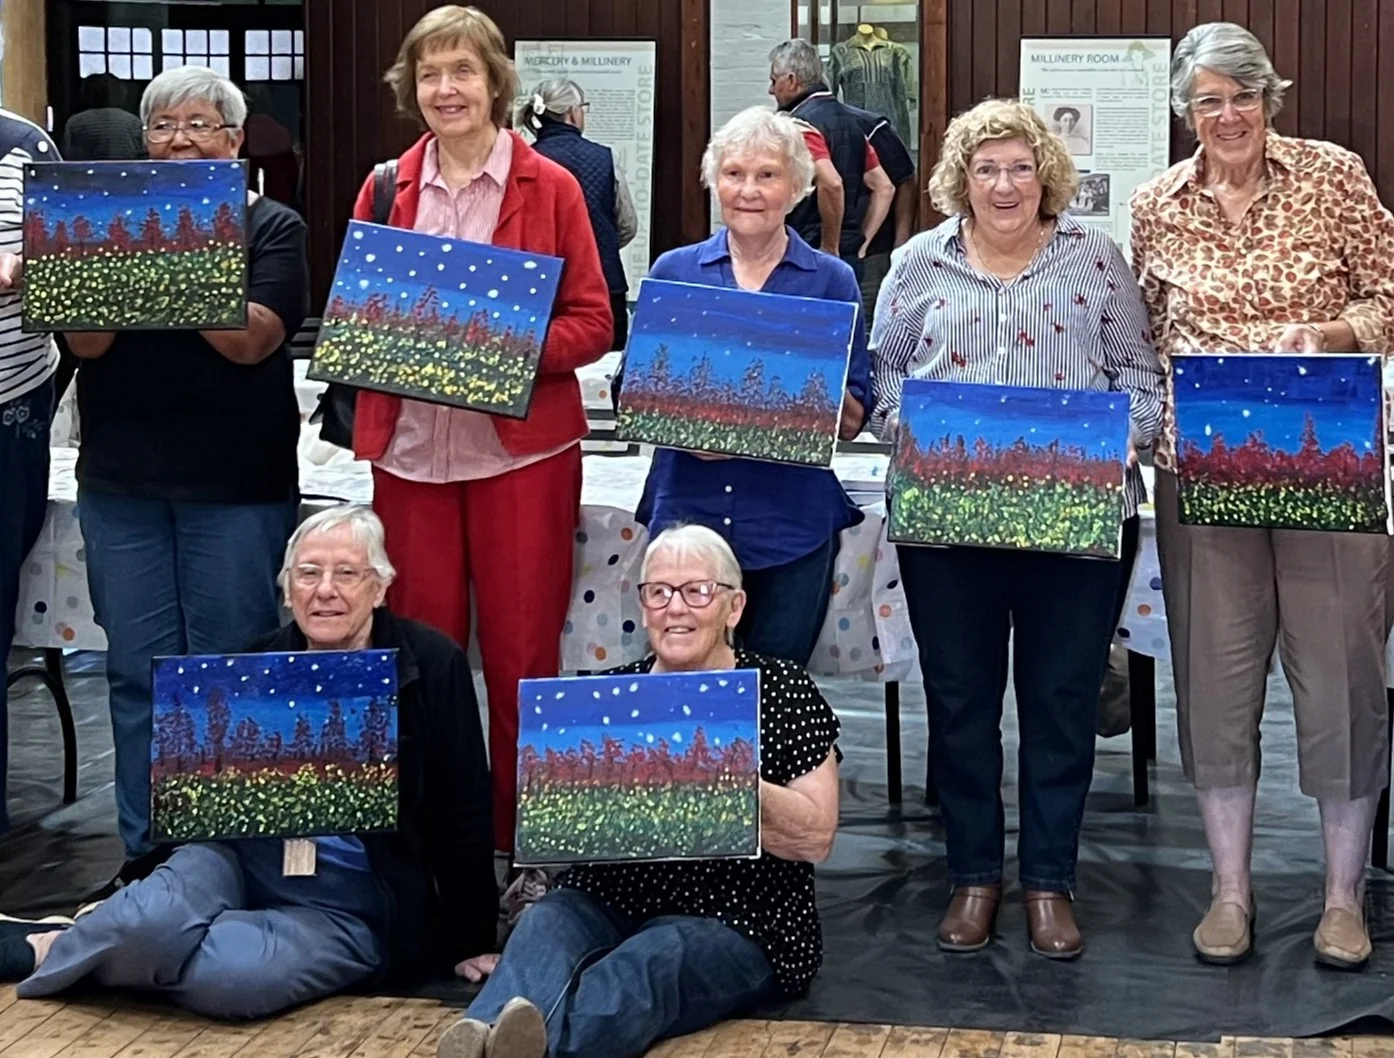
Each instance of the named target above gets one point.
<point>511,538</point>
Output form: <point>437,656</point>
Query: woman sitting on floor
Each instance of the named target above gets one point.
<point>221,930</point>
<point>620,956</point>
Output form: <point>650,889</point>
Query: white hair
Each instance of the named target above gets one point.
<point>555,99</point>
<point>1231,51</point>
<point>364,525</point>
<point>797,57</point>
<point>761,129</point>
<point>185,83</point>
<point>696,542</point>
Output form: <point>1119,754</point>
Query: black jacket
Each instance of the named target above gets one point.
<point>437,870</point>
<point>847,144</point>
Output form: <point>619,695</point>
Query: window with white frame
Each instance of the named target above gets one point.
<point>196,47</point>
<point>274,55</point>
<point>126,52</point>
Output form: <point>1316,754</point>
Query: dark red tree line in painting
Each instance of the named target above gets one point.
<point>612,765</point>
<point>1255,462</point>
<point>425,321</point>
<point>952,459</point>
<point>79,237</point>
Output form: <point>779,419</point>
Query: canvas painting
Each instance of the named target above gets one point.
<point>440,320</point>
<point>735,372</point>
<point>274,745</point>
<point>1282,441</point>
<point>1010,467</point>
<point>640,767</point>
<point>113,246</point>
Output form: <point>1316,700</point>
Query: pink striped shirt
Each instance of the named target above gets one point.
<point>435,443</point>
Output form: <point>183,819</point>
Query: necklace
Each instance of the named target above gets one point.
<point>1011,270</point>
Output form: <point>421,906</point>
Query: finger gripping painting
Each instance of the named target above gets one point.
<point>1033,469</point>
<point>111,246</point>
<point>440,320</point>
<point>1282,441</point>
<point>274,745</point>
<point>733,372</point>
<point>639,767</point>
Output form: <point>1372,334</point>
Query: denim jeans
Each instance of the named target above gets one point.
<point>963,603</point>
<point>786,605</point>
<point>173,578</point>
<point>611,988</point>
<point>24,424</point>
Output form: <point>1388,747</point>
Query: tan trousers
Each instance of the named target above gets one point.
<point>1325,600</point>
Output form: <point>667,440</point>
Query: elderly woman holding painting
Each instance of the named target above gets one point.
<point>1263,243</point>
<point>781,520</point>
<point>620,956</point>
<point>1011,290</point>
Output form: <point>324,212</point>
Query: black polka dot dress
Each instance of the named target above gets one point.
<point>770,900</point>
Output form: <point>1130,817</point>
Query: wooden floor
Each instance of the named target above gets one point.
<point>405,1028</point>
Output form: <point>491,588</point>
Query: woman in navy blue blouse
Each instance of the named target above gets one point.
<point>1012,290</point>
<point>782,521</point>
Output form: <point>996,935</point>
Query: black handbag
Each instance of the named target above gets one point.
<point>337,403</point>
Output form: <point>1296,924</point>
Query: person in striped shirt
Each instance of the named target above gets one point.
<point>27,363</point>
<point>1011,290</point>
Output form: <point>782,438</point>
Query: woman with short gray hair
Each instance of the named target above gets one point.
<point>1264,243</point>
<point>187,475</point>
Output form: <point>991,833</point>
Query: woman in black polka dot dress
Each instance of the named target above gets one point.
<point>619,956</point>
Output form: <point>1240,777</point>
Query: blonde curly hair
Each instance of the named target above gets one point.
<point>1002,119</point>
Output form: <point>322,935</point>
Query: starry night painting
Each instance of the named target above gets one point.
<point>640,767</point>
<point>1282,441</point>
<point>1010,467</point>
<point>274,745</point>
<point>733,372</point>
<point>440,320</point>
<point>113,246</point>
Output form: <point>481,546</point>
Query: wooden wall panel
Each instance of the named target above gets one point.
<point>1339,55</point>
<point>352,125</point>
<point>25,88</point>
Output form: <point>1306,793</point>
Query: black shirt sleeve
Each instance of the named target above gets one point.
<point>278,273</point>
<point>895,159</point>
<point>798,727</point>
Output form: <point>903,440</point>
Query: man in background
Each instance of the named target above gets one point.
<point>103,131</point>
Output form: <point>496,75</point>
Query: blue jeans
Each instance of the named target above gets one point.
<point>173,578</point>
<point>963,603</point>
<point>218,930</point>
<point>786,605</point>
<point>610,988</point>
<point>24,425</point>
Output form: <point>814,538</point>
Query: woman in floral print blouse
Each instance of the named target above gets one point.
<point>1262,243</point>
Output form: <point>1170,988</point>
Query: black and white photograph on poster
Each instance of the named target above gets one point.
<point>1074,123</point>
<point>1092,199</point>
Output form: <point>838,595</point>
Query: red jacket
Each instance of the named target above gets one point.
<point>543,212</point>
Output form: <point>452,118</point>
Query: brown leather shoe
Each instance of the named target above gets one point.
<point>967,924</point>
<point>1225,935</point>
<point>1050,917</point>
<point>1341,941</point>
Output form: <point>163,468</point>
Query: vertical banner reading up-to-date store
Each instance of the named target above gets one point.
<point>617,78</point>
<point>1109,99</point>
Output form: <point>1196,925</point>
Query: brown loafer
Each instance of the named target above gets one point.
<point>1050,917</point>
<point>1225,935</point>
<point>1341,941</point>
<point>967,924</point>
<point>464,1039</point>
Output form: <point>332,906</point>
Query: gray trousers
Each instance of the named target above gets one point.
<point>217,930</point>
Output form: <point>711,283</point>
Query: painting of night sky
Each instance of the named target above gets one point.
<point>274,745</point>
<point>1009,467</point>
<point>111,246</point>
<point>712,369</point>
<point>440,320</point>
<point>1282,441</point>
<point>639,767</point>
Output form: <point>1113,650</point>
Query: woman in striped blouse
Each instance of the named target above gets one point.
<point>1011,290</point>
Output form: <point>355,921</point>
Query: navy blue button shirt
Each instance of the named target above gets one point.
<point>770,513</point>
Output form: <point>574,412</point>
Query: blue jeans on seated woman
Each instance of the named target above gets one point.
<point>610,988</point>
<point>173,578</point>
<point>220,931</point>
<point>786,605</point>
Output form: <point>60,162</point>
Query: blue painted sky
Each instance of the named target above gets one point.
<point>1238,395</point>
<point>1096,422</point>
<point>516,289</point>
<point>639,709</point>
<point>101,190</point>
<point>793,336</point>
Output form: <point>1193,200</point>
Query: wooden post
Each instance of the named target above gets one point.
<point>934,94</point>
<point>25,76</point>
<point>696,116</point>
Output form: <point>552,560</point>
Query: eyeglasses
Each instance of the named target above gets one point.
<point>1020,173</point>
<point>1244,100</point>
<point>308,576</point>
<point>698,594</point>
<point>197,130</point>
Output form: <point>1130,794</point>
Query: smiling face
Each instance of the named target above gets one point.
<point>686,637</point>
<point>189,143</point>
<point>1233,138</point>
<point>454,92</point>
<point>335,608</point>
<point>1004,188</point>
<point>755,192</point>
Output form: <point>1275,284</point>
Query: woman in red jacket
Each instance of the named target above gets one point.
<point>469,498</point>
